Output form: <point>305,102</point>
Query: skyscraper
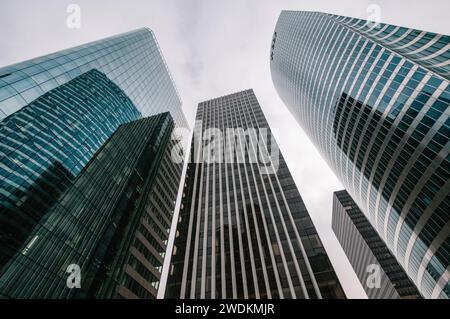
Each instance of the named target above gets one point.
<point>243,229</point>
<point>112,221</point>
<point>133,61</point>
<point>374,98</point>
<point>380,274</point>
<point>58,113</point>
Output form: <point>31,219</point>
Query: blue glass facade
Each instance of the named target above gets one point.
<point>47,143</point>
<point>103,221</point>
<point>56,113</point>
<point>375,100</point>
<point>132,60</point>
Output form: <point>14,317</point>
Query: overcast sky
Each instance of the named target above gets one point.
<point>215,48</point>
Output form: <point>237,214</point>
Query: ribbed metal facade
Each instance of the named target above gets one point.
<point>375,98</point>
<point>380,274</point>
<point>243,233</point>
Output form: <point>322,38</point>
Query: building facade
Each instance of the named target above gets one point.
<point>375,98</point>
<point>380,274</point>
<point>243,229</point>
<point>57,113</point>
<point>133,61</point>
<point>112,221</point>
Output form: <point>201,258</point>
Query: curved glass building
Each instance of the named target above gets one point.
<point>133,61</point>
<point>86,175</point>
<point>375,98</point>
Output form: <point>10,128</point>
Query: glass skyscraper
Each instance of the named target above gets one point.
<point>133,61</point>
<point>375,98</point>
<point>112,221</point>
<point>58,115</point>
<point>243,229</point>
<point>380,274</point>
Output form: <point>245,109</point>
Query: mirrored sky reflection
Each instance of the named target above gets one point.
<point>215,48</point>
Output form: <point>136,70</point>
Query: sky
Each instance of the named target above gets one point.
<point>214,48</point>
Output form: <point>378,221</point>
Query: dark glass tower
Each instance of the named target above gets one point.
<point>243,230</point>
<point>375,98</point>
<point>57,113</point>
<point>112,221</point>
<point>368,254</point>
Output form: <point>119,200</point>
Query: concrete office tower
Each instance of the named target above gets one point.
<point>374,98</point>
<point>57,112</point>
<point>243,230</point>
<point>380,274</point>
<point>112,221</point>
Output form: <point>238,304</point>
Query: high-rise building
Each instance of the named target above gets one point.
<point>112,221</point>
<point>133,61</point>
<point>380,274</point>
<point>374,98</point>
<point>58,113</point>
<point>243,230</point>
